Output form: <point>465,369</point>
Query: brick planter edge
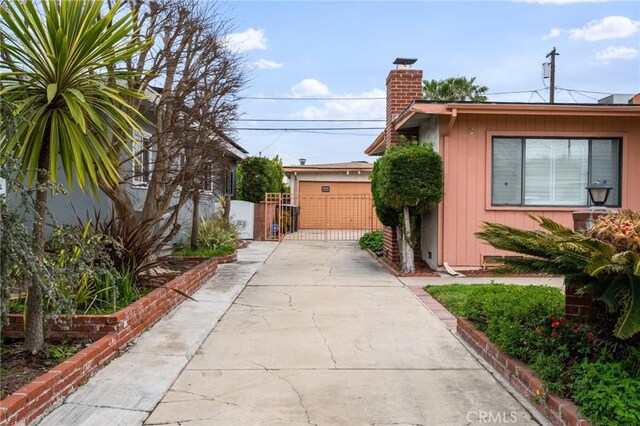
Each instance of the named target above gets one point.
<point>32,400</point>
<point>559,411</point>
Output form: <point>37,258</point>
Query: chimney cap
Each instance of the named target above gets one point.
<point>403,63</point>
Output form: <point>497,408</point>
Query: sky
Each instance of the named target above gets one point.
<point>337,50</point>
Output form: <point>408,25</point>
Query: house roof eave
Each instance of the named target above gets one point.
<point>418,111</point>
<point>377,146</point>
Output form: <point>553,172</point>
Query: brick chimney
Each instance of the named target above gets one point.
<point>404,85</point>
<point>634,101</point>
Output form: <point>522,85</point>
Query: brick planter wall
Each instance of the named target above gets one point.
<point>118,329</point>
<point>559,411</point>
<point>94,327</point>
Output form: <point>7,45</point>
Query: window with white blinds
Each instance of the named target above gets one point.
<point>552,172</point>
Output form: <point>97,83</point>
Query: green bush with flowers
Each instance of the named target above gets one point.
<point>528,323</point>
<point>604,264</point>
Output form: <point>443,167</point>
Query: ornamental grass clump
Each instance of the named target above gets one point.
<point>215,233</point>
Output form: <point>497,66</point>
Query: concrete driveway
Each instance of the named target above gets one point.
<point>322,335</point>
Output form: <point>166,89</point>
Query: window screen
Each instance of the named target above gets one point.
<point>553,172</point>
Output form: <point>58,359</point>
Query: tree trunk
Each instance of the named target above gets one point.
<point>406,250</point>
<point>34,311</point>
<point>227,207</point>
<point>4,291</point>
<point>195,219</point>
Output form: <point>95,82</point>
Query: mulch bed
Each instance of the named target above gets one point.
<point>19,367</point>
<point>422,269</point>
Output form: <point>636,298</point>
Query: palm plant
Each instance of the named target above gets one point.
<point>454,89</point>
<point>591,265</point>
<point>59,67</point>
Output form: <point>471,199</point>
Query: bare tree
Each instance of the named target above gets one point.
<point>192,79</point>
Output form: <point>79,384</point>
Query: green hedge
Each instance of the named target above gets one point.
<point>527,322</point>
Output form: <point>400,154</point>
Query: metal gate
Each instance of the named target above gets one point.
<point>320,217</point>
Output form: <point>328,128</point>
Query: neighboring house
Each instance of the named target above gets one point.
<point>334,196</point>
<point>504,161</point>
<point>66,209</point>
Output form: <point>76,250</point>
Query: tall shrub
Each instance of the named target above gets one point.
<point>406,181</point>
<point>258,175</point>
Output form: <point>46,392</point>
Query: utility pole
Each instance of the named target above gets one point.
<point>552,82</point>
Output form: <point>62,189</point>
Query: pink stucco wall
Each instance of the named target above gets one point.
<point>467,182</point>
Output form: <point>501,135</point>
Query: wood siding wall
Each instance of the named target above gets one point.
<point>467,181</point>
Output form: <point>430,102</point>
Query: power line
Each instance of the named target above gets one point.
<point>311,120</point>
<point>584,91</point>
<point>355,98</point>
<point>286,129</point>
<point>284,98</point>
<point>273,142</point>
<point>577,93</point>
<point>335,134</point>
<point>516,92</point>
<point>374,98</point>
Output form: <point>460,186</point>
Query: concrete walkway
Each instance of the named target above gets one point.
<point>556,282</point>
<point>323,335</point>
<point>320,335</point>
<point>129,388</point>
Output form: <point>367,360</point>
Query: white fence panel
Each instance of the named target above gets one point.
<point>242,215</point>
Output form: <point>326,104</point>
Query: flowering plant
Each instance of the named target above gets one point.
<point>560,344</point>
<point>621,230</point>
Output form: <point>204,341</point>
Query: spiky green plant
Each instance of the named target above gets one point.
<point>593,267</point>
<point>215,233</point>
<point>59,67</point>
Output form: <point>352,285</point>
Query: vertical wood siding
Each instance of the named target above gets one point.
<point>467,182</point>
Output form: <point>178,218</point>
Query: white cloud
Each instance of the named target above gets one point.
<point>611,27</point>
<point>266,64</point>
<point>340,108</point>
<point>249,39</point>
<point>561,1</point>
<point>310,87</point>
<point>616,52</point>
<point>555,32</point>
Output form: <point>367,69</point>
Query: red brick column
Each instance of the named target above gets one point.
<point>390,249</point>
<point>577,305</point>
<point>404,85</point>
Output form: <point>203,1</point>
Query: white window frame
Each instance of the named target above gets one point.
<point>230,179</point>
<point>143,155</point>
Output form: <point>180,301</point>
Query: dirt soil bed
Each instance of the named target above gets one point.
<point>422,269</point>
<point>19,367</point>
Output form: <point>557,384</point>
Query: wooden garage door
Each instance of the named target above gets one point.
<point>336,205</point>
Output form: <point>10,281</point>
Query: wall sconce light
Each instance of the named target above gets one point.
<point>599,192</point>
